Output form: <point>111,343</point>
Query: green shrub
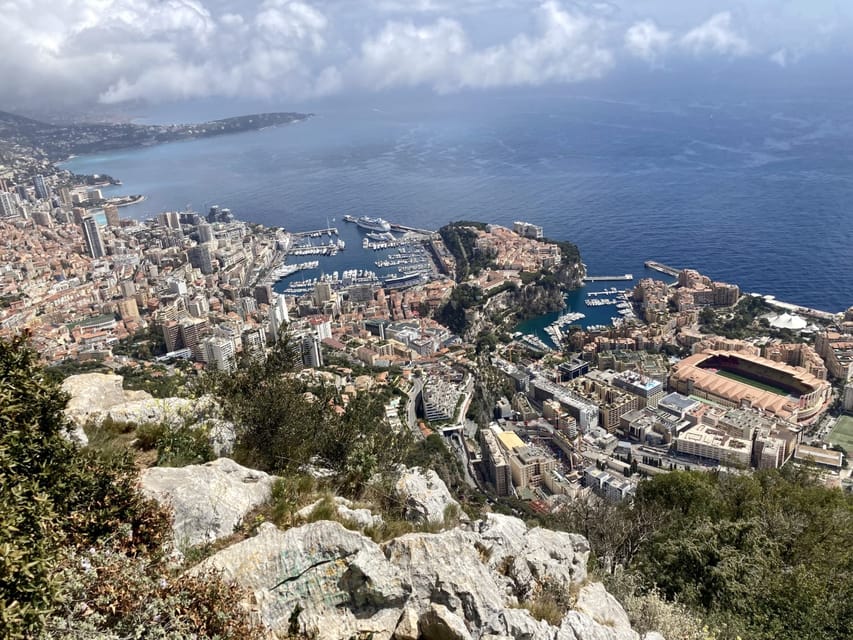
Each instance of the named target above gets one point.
<point>149,434</point>
<point>105,590</point>
<point>180,446</point>
<point>56,499</point>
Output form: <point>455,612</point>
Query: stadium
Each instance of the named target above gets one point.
<point>742,380</point>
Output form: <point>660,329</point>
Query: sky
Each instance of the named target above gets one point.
<point>78,53</point>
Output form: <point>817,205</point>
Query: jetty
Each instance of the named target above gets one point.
<point>402,227</point>
<point>657,266</point>
<point>624,277</point>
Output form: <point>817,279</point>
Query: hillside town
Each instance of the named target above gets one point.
<point>694,375</point>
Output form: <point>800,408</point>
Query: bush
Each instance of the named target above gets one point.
<point>549,602</point>
<point>56,501</point>
<point>149,434</point>
<point>184,445</point>
<point>106,590</point>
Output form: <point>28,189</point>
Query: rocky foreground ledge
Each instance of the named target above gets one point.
<point>328,582</point>
<point>324,581</point>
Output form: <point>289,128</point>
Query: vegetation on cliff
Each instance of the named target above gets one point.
<point>460,239</point>
<point>82,551</point>
<point>767,556</point>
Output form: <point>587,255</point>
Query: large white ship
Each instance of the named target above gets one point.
<point>373,224</point>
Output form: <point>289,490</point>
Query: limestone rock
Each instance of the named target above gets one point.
<point>426,496</point>
<point>172,411</point>
<point>579,626</point>
<point>460,584</point>
<point>407,626</point>
<point>362,518</point>
<point>208,500</point>
<point>439,623</point>
<point>446,568</point>
<point>598,604</point>
<point>520,625</point>
<point>340,580</point>
<point>92,394</point>
<point>527,557</point>
<point>653,635</point>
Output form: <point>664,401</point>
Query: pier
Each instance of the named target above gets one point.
<point>402,227</point>
<point>657,266</point>
<point>624,277</point>
<point>316,233</point>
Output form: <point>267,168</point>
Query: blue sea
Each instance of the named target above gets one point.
<point>756,192</point>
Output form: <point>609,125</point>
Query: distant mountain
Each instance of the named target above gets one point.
<point>26,136</point>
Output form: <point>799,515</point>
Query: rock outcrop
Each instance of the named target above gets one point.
<point>209,501</point>
<point>361,518</point>
<point>426,497</point>
<point>466,583</point>
<point>319,579</point>
<point>96,397</point>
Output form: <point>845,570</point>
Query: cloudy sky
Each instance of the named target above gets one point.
<point>84,52</point>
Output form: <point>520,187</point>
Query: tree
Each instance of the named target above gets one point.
<point>81,549</point>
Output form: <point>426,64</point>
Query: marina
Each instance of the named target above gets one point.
<point>557,329</point>
<point>317,233</point>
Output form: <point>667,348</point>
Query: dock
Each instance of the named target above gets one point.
<point>624,277</point>
<point>316,233</point>
<point>402,227</point>
<point>657,266</point>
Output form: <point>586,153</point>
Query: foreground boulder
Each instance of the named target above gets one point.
<point>528,558</point>
<point>321,580</point>
<point>210,500</point>
<point>326,582</point>
<point>426,497</point>
<point>90,397</point>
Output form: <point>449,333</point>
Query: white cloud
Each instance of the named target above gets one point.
<point>565,48</point>
<point>780,57</point>
<point>715,36</point>
<point>79,51</point>
<point>76,52</point>
<point>645,40</point>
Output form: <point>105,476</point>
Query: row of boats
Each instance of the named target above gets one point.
<point>557,329</point>
<point>330,249</point>
<point>285,270</point>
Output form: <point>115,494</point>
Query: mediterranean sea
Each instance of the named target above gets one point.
<point>757,193</point>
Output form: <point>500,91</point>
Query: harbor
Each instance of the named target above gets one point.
<point>374,255</point>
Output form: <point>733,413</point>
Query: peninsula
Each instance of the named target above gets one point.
<point>22,137</point>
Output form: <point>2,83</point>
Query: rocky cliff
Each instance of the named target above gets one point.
<point>480,580</point>
<point>323,581</point>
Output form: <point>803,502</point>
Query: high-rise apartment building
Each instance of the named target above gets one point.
<point>8,208</point>
<point>42,190</point>
<point>92,237</point>
<point>111,213</point>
